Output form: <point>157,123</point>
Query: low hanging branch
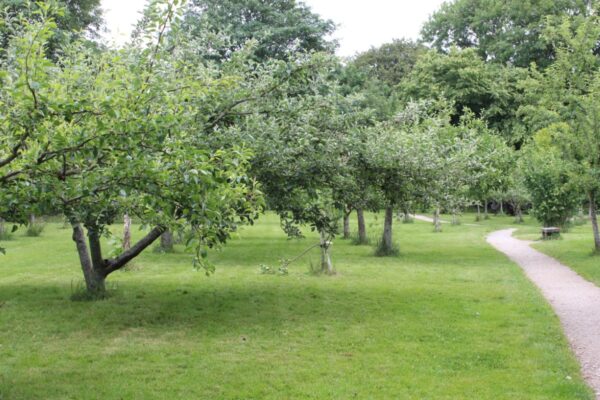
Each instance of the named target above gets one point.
<point>286,262</point>
<point>128,255</point>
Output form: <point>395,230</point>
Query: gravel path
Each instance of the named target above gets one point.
<point>428,219</point>
<point>575,300</point>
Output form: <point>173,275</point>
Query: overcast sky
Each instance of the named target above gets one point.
<point>362,23</point>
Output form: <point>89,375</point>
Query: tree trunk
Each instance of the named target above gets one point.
<point>31,219</point>
<point>501,208</point>
<point>346,225</point>
<point>94,280</point>
<point>326,265</point>
<point>437,222</point>
<point>455,218</point>
<point>2,228</point>
<point>407,218</point>
<point>386,240</point>
<point>478,218</point>
<point>95,268</point>
<point>519,214</point>
<point>594,218</point>
<point>166,241</point>
<point>362,230</point>
<point>126,232</point>
<point>98,263</point>
<point>485,210</point>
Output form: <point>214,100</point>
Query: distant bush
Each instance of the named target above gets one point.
<point>35,229</point>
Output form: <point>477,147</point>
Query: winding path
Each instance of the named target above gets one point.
<point>575,300</point>
<point>428,219</point>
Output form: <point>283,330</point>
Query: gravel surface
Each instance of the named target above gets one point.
<point>575,300</point>
<point>428,219</point>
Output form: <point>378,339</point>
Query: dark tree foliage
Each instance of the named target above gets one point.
<point>80,17</point>
<point>279,27</point>
<point>490,91</point>
<point>504,31</point>
<point>391,62</point>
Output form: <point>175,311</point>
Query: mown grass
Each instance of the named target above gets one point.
<point>575,248</point>
<point>449,318</point>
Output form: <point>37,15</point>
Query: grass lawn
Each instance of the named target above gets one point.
<point>450,318</point>
<point>574,248</point>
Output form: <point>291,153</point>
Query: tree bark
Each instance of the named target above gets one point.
<point>2,228</point>
<point>94,280</point>
<point>98,262</point>
<point>519,214</point>
<point>166,241</point>
<point>437,223</point>
<point>455,218</point>
<point>95,268</point>
<point>362,230</point>
<point>594,218</point>
<point>501,207</point>
<point>388,246</point>
<point>346,225</point>
<point>326,265</point>
<point>119,262</point>
<point>478,218</point>
<point>407,219</point>
<point>126,232</point>
<point>485,210</point>
<point>31,219</point>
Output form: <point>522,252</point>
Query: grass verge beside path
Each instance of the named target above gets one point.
<point>575,249</point>
<point>450,318</point>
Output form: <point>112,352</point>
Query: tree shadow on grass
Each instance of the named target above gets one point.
<point>218,310</point>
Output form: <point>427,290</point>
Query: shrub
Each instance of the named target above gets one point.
<point>35,229</point>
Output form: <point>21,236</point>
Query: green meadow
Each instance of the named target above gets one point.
<point>449,318</point>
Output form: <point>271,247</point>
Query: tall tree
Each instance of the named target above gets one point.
<point>491,92</point>
<point>279,27</point>
<point>506,32</point>
<point>300,154</point>
<point>390,62</point>
<point>74,19</point>
<point>568,93</point>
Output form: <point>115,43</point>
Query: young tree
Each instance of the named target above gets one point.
<point>548,181</point>
<point>459,154</point>
<point>299,157</point>
<point>398,156</point>
<point>490,169</point>
<point>132,128</point>
<point>517,196</point>
<point>569,93</point>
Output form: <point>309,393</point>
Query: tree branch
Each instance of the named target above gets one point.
<point>117,263</point>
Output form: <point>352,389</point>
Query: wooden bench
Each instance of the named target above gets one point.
<point>550,232</point>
